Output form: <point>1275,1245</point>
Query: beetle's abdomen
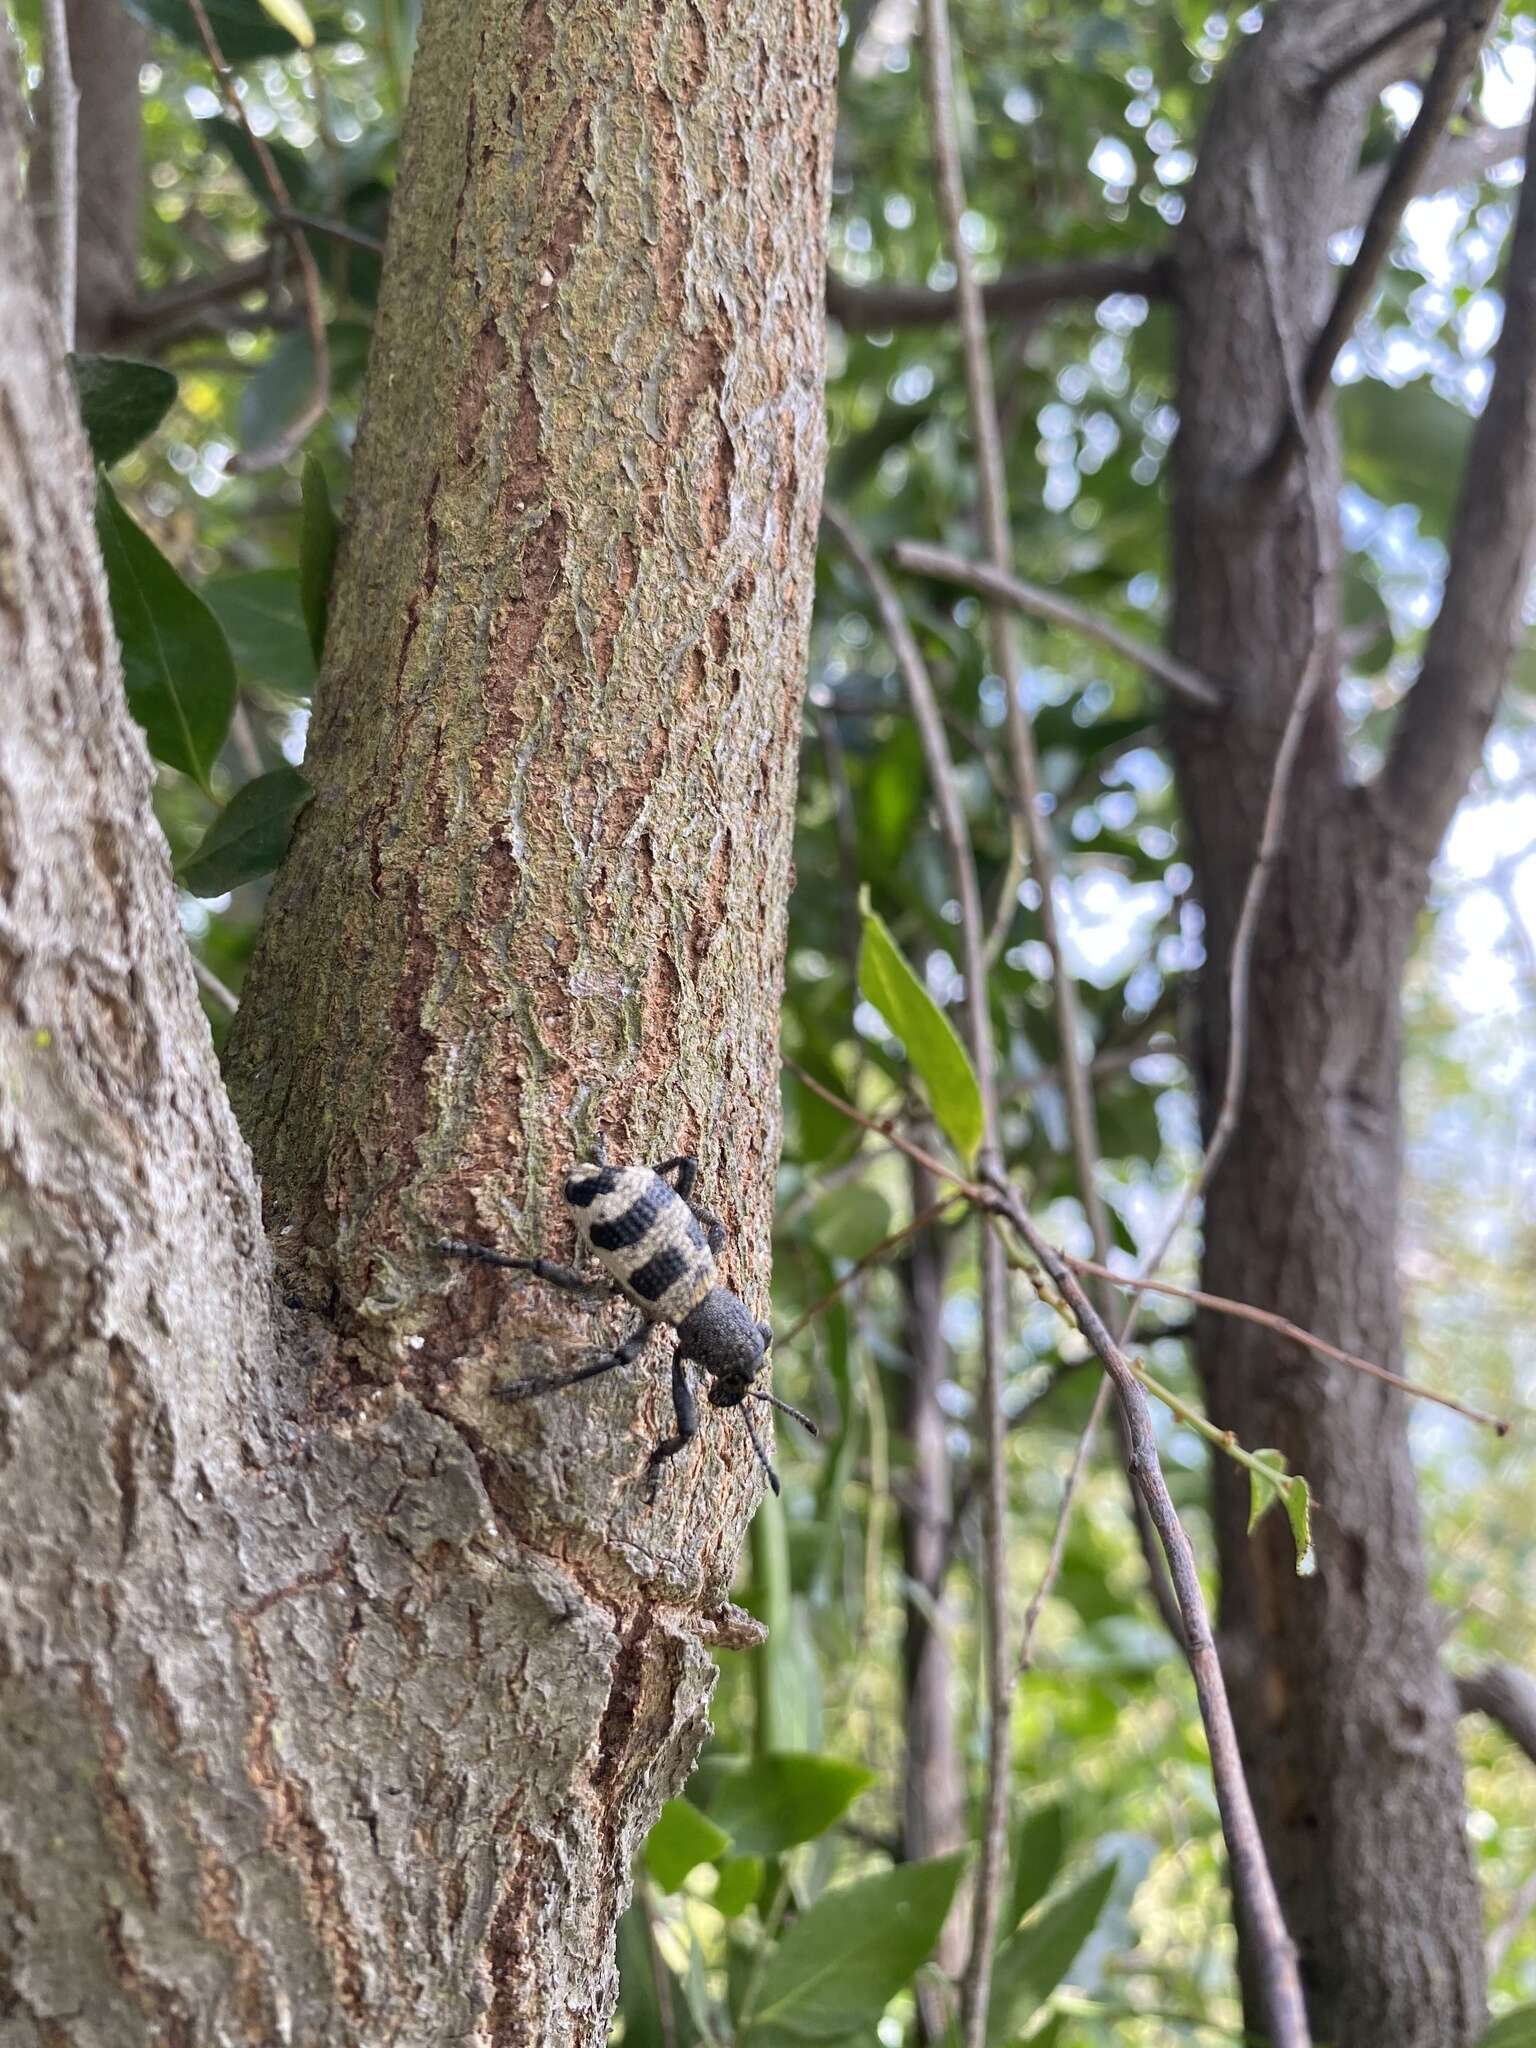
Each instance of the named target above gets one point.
<point>644,1234</point>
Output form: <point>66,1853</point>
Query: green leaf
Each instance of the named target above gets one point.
<point>241,28</point>
<point>278,390</point>
<point>1262,1492</point>
<point>848,1955</point>
<point>847,1222</point>
<point>262,616</point>
<point>1031,1963</point>
<point>1405,445</point>
<point>936,1054</point>
<point>290,15</point>
<point>1515,2029</point>
<point>249,836</point>
<point>1296,1497</point>
<point>121,402</point>
<point>768,1805</point>
<point>1039,1843</point>
<point>741,1880</point>
<point>653,2004</point>
<point>293,167</point>
<point>681,1840</point>
<point>177,668</point>
<point>317,552</point>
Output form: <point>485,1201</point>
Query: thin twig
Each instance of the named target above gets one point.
<point>63,161</point>
<point>1144,1283</point>
<point>862,307</point>
<point>1058,1549</point>
<point>1465,32</point>
<point>278,450</point>
<point>212,987</point>
<point>1274,1951</point>
<point>873,1257</point>
<point>921,559</point>
<point>1521,1907</point>
<point>992,503</point>
<point>994,1273</point>
<point>334,230</point>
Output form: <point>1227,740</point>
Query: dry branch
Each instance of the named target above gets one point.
<point>1003,587</point>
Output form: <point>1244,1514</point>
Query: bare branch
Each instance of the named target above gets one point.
<point>335,230</point>
<point>1457,160</point>
<point>64,162</point>
<point>1244,1312</point>
<point>216,991</point>
<point>994,1275</point>
<point>292,436</point>
<point>863,307</point>
<point>1376,46</point>
<point>1274,1951</point>
<point>1441,727</point>
<point>1508,1697</point>
<point>1003,587</point>
<point>1465,33</point>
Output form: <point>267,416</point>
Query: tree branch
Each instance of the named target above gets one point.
<point>277,451</point>
<point>1000,585</point>
<point>64,159</point>
<point>1275,1952</point>
<point>1465,33</point>
<point>1441,727</point>
<point>994,1278</point>
<point>1508,1697</point>
<point>862,307</point>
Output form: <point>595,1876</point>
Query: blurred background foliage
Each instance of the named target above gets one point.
<point>1080,128</point>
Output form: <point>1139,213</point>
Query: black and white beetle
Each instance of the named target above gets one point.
<point>657,1247</point>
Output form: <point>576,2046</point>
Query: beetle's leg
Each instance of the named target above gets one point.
<point>686,1167</point>
<point>542,1269</point>
<point>623,1354</point>
<point>686,1409</point>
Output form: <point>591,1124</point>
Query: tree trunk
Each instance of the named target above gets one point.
<point>337,1696</point>
<point>1347,1721</point>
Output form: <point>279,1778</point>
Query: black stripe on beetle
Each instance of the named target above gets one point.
<point>657,1248</point>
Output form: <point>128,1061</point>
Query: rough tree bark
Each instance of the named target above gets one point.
<point>1347,1720</point>
<point>336,1698</point>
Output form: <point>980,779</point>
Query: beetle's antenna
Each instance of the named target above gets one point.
<point>773,1401</point>
<point>762,1455</point>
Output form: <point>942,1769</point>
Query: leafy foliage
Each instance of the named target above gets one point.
<point>773,1905</point>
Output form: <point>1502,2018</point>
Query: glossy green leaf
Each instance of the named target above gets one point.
<point>1515,2029</point>
<point>263,620</point>
<point>681,1840</point>
<point>1032,1962</point>
<point>847,1956</point>
<point>1038,1845</point>
<point>177,668</point>
<point>121,402</point>
<point>318,537</point>
<point>769,1804</point>
<point>250,835</point>
<point>933,1047</point>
